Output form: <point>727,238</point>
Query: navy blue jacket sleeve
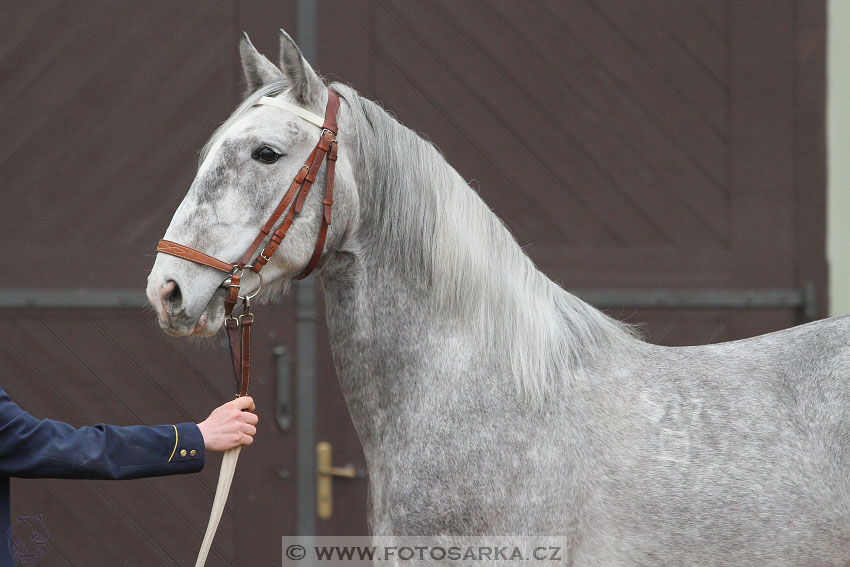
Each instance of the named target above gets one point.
<point>44,448</point>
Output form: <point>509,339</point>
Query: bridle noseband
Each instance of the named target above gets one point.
<point>295,195</point>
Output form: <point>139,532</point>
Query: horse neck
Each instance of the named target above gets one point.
<point>431,274</point>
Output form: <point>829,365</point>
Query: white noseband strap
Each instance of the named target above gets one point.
<point>297,110</point>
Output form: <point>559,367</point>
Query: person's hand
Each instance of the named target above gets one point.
<point>228,426</point>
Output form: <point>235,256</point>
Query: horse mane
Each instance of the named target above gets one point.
<point>434,230</point>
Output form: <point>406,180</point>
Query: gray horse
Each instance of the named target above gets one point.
<point>489,400</point>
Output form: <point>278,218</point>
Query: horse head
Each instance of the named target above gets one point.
<point>245,169</point>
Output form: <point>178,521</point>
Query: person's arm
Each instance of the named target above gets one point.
<point>33,448</point>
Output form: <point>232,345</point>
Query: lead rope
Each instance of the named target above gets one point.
<point>225,478</point>
<point>241,358</point>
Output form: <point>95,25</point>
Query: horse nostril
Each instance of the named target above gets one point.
<point>171,297</point>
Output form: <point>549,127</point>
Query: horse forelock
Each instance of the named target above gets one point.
<point>420,217</point>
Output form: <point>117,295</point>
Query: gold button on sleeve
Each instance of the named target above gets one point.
<point>192,453</point>
<point>183,452</point>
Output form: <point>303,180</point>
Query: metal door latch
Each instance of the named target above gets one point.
<point>325,472</point>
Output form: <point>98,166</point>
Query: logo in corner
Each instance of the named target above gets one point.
<point>28,537</point>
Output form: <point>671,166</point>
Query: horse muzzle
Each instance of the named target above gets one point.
<point>181,316</point>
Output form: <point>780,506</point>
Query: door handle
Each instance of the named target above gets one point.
<point>325,473</point>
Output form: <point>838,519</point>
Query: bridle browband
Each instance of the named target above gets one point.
<point>296,195</point>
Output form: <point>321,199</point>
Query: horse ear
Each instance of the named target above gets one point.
<point>305,83</point>
<point>258,70</point>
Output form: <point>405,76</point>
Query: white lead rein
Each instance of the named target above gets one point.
<point>225,478</point>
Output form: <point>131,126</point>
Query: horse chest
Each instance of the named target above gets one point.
<point>470,478</point>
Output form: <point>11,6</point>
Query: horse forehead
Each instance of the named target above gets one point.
<point>261,123</point>
<point>227,141</point>
<point>265,116</point>
<point>258,125</point>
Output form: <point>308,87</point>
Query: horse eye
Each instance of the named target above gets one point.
<point>265,155</point>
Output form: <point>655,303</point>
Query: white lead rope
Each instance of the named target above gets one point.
<point>225,478</point>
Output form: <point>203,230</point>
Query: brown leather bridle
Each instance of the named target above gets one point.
<point>240,347</point>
